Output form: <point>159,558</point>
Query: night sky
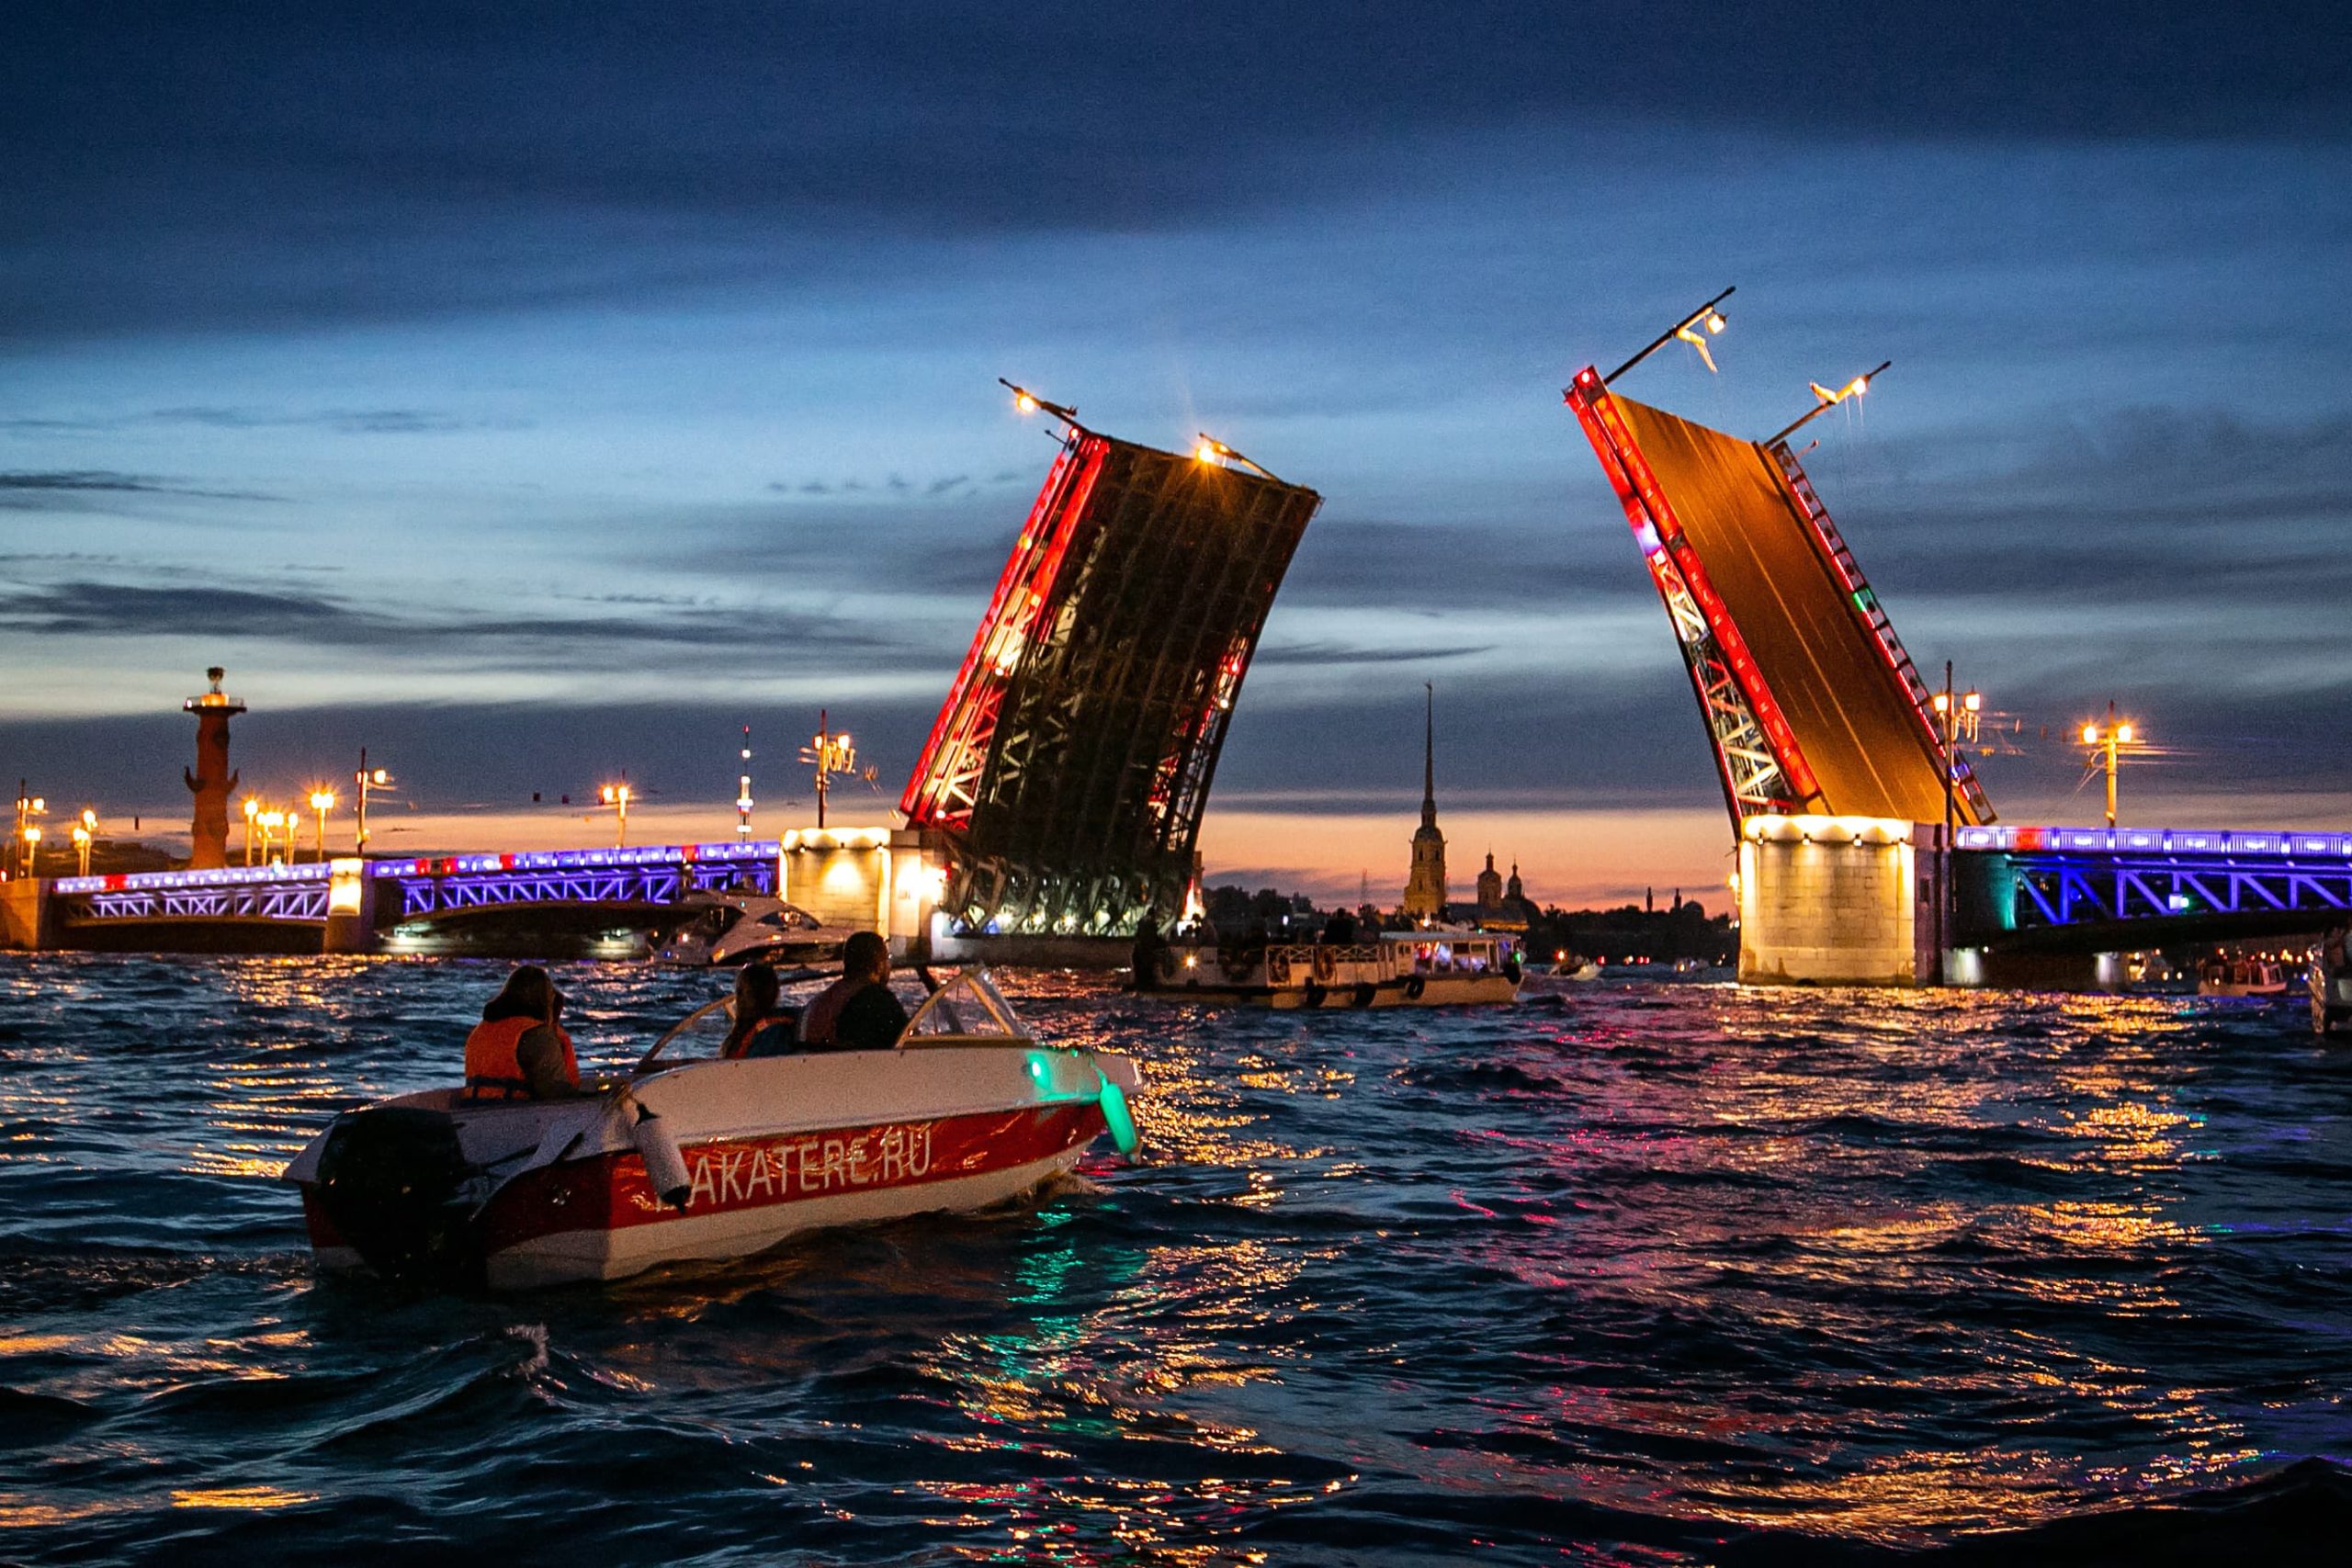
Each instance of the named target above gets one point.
<point>532,394</point>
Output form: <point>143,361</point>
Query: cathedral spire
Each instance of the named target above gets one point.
<point>1429,757</point>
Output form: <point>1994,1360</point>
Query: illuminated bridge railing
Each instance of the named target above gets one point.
<point>2080,875</point>
<point>242,892</point>
<point>654,874</point>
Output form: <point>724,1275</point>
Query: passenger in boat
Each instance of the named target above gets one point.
<point>1143,958</point>
<point>762,1028</point>
<point>519,1051</point>
<point>857,1011</point>
<point>1340,931</point>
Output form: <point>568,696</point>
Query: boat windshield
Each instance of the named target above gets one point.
<point>966,1004</point>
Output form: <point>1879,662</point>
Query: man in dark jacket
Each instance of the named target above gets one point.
<point>857,1011</point>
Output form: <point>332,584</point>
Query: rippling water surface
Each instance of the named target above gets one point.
<point>1663,1275</point>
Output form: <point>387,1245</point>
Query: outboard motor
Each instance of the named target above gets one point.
<point>392,1181</point>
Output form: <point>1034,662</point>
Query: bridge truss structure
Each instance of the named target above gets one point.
<point>2076,876</point>
<point>256,892</point>
<point>653,874</point>
<point>1811,703</point>
<point>1070,765</point>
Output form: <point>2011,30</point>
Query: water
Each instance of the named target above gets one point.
<point>1654,1276</point>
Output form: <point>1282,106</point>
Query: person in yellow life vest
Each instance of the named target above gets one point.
<point>518,1051</point>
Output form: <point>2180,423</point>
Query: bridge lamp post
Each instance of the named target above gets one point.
<point>1210,450</point>
<point>2106,743</point>
<point>31,856</point>
<point>82,849</point>
<point>367,778</point>
<point>1706,319</point>
<point>617,797</point>
<point>28,807</point>
<point>321,802</point>
<point>1827,398</point>
<point>829,753</point>
<point>271,821</point>
<point>1956,716</point>
<point>252,814</point>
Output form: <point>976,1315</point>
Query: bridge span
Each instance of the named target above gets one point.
<point>598,902</point>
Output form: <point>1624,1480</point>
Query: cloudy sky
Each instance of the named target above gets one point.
<point>532,393</point>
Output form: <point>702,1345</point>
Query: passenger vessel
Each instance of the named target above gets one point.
<point>2230,977</point>
<point>1430,967</point>
<point>708,1158</point>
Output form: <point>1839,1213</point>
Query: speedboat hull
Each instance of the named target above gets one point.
<point>755,1151</point>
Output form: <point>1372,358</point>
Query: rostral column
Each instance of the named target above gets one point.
<point>212,781</point>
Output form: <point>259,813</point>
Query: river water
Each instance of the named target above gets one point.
<point>1676,1274</point>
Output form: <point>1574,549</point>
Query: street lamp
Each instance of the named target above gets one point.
<point>28,807</point>
<point>367,778</point>
<point>1827,398</point>
<point>829,753</point>
<point>252,814</point>
<point>32,851</point>
<point>271,821</point>
<point>1956,716</point>
<point>322,802</point>
<point>85,833</point>
<point>1026,401</point>
<point>618,796</point>
<point>1210,450</point>
<point>1706,319</point>
<point>2105,741</point>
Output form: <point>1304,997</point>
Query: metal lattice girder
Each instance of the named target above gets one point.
<point>294,901</point>
<point>1071,762</point>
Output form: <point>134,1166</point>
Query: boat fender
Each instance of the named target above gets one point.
<point>665,1167</point>
<point>1278,968</point>
<point>1512,970</point>
<point>1314,994</point>
<point>1327,965</point>
<point>1118,1118</point>
<point>1415,987</point>
<point>1364,993</point>
<point>1166,966</point>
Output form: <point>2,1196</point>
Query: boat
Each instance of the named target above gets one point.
<point>723,928</point>
<point>1434,966</point>
<point>2329,979</point>
<point>703,1158</point>
<point>2238,976</point>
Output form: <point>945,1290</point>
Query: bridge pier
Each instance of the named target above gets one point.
<point>28,914</point>
<point>352,909</point>
<point>1834,901</point>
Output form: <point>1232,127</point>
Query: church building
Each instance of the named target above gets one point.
<point>1425,887</point>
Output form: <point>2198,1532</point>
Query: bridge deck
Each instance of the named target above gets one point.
<point>1857,725</point>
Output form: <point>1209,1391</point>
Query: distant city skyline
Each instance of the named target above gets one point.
<point>375,361</point>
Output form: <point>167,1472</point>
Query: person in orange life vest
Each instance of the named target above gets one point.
<point>518,1051</point>
<point>760,1028</point>
<point>857,1011</point>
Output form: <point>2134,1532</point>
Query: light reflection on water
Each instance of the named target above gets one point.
<point>1618,1273</point>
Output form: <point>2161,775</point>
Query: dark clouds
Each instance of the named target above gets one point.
<point>275,163</point>
<point>526,637</point>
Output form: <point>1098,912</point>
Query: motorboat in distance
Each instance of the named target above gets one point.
<point>1434,966</point>
<point>709,1158</point>
<point>724,928</point>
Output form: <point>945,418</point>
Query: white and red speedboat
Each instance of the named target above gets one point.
<point>709,1158</point>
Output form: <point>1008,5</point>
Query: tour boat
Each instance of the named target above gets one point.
<point>709,1158</point>
<point>2240,977</point>
<point>1432,967</point>
<point>738,927</point>
<point>2330,981</point>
